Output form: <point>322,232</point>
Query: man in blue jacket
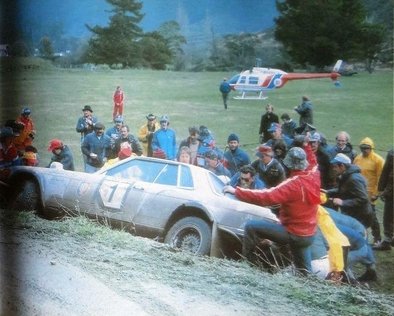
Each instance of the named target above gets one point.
<point>225,90</point>
<point>164,140</point>
<point>235,157</point>
<point>96,148</point>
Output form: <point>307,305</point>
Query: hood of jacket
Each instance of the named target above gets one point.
<point>367,141</point>
<point>352,169</point>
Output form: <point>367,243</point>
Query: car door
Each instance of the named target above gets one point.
<point>122,190</point>
<point>162,196</point>
<point>144,192</point>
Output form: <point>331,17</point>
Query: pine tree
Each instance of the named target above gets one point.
<point>46,49</point>
<point>320,32</point>
<point>117,43</point>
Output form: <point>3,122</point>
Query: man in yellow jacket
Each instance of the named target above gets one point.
<point>145,134</point>
<point>371,165</point>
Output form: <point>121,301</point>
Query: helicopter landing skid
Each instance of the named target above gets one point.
<point>243,96</point>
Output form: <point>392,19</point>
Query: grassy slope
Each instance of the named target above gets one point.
<point>149,273</point>
<point>363,107</point>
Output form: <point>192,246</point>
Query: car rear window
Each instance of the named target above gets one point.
<point>186,179</point>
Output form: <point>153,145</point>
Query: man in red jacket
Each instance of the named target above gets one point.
<point>299,197</point>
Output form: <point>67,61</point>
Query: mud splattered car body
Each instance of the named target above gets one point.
<point>180,204</point>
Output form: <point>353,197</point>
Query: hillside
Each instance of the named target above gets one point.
<point>75,267</point>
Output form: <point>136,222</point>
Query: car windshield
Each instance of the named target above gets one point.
<point>158,172</point>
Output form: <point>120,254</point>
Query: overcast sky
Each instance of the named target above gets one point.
<point>228,16</point>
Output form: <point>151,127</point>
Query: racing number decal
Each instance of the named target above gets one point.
<point>112,193</point>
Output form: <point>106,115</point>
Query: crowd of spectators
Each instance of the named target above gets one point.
<point>305,181</point>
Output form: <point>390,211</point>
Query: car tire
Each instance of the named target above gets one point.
<point>190,234</point>
<point>25,197</point>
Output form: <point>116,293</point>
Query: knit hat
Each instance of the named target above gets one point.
<point>55,144</point>
<point>99,126</point>
<point>164,118</point>
<point>296,159</point>
<point>232,137</point>
<point>26,111</point>
<point>6,132</point>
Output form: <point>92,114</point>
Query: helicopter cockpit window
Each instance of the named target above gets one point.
<point>242,80</point>
<point>253,80</point>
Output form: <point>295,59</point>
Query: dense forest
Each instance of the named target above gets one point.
<point>211,36</point>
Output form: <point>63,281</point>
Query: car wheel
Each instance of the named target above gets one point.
<point>25,197</point>
<point>190,234</point>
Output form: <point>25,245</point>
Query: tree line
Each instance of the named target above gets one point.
<point>306,33</point>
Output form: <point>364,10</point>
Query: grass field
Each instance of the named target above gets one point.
<point>363,106</point>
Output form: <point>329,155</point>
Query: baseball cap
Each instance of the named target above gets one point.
<point>274,127</point>
<point>315,137</point>
<point>264,150</point>
<point>341,159</point>
<point>118,119</point>
<point>125,153</point>
<point>54,144</point>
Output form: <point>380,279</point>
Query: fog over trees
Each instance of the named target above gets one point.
<point>218,36</point>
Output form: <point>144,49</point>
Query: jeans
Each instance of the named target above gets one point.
<point>225,98</point>
<point>90,168</point>
<point>356,239</point>
<point>360,251</point>
<point>300,246</point>
<point>375,227</point>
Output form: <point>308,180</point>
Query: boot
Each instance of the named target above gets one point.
<point>383,245</point>
<point>369,275</point>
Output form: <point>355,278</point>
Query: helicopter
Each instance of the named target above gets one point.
<point>258,80</point>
